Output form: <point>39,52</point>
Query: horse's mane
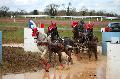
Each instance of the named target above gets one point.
<point>42,37</point>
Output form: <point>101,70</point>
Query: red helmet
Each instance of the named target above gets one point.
<point>35,32</point>
<point>74,23</point>
<point>52,26</point>
<point>89,26</point>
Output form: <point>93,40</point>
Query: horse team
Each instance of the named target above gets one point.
<point>83,38</point>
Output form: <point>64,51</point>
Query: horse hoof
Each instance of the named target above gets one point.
<point>62,66</point>
<point>96,59</point>
<point>72,63</point>
<point>89,59</point>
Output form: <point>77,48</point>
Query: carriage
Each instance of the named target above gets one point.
<point>84,38</point>
<point>81,40</point>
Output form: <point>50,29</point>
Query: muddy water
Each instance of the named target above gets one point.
<point>83,69</point>
<point>13,45</point>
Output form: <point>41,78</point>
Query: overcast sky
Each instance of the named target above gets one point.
<point>30,5</point>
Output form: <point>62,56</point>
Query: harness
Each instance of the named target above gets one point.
<point>82,36</point>
<point>52,31</point>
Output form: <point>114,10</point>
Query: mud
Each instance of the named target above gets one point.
<point>81,69</point>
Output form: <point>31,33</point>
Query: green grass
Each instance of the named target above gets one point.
<point>99,35</point>
<point>12,35</point>
<point>97,28</point>
<point>12,24</point>
<point>65,33</point>
<point>14,32</point>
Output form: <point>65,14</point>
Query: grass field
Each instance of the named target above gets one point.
<point>16,59</point>
<point>13,32</point>
<point>13,36</point>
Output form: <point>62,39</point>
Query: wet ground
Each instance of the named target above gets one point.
<point>81,69</point>
<point>13,45</point>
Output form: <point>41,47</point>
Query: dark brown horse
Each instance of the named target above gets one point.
<point>86,40</point>
<point>55,47</point>
<point>92,47</point>
<point>59,45</point>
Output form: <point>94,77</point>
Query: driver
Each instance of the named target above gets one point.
<point>52,30</point>
<point>75,29</point>
<point>81,26</point>
<point>89,30</point>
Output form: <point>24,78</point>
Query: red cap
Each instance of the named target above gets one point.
<point>41,25</point>
<point>52,26</point>
<point>35,31</point>
<point>74,23</point>
<point>89,26</point>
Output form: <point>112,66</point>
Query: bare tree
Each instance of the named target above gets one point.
<point>69,10</point>
<point>3,11</point>
<point>92,12</point>
<point>21,12</point>
<point>73,12</point>
<point>83,11</point>
<point>51,9</point>
<point>61,13</point>
<point>35,12</point>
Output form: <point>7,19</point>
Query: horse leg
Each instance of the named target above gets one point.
<point>50,53</point>
<point>95,53</point>
<point>55,63</point>
<point>89,52</point>
<point>96,58</point>
<point>78,52</point>
<point>69,56</point>
<point>82,50</point>
<point>60,54</point>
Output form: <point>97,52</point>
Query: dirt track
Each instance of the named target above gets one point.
<point>81,69</point>
<point>61,22</point>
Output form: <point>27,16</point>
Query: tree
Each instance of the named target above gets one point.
<point>73,12</point>
<point>69,10</point>
<point>100,13</point>
<point>61,13</point>
<point>51,9</point>
<point>10,13</point>
<point>35,12</point>
<point>92,12</point>
<point>3,11</point>
<point>22,12</point>
<point>84,10</point>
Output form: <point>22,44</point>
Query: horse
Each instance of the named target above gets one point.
<point>59,45</point>
<point>69,46</point>
<point>92,47</point>
<point>78,36</point>
<point>42,43</point>
<point>86,40</point>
